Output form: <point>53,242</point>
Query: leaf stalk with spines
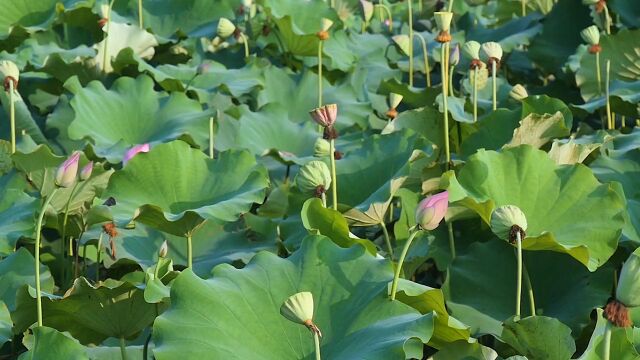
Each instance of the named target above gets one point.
<point>12,115</point>
<point>38,244</point>
<point>425,54</point>
<point>403,255</point>
<point>387,240</point>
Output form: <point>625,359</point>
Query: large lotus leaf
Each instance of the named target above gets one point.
<point>38,52</point>
<point>622,342</point>
<point>567,209</point>
<point>235,82</point>
<point>494,130</point>
<point>120,37</point>
<point>537,130</point>
<point>176,187</point>
<point>559,37</point>
<point>17,270</point>
<point>515,32</point>
<point>562,287</point>
<point>24,119</point>
<point>543,104</point>
<point>345,51</point>
<point>266,130</point>
<point>623,99</point>
<point>628,11</point>
<point>352,309</point>
<point>132,113</point>
<point>622,50</point>
<point>32,15</point>
<point>570,152</point>
<point>89,313</point>
<point>366,196</point>
<point>539,337</point>
<point>17,211</point>
<point>467,351</point>
<point>5,324</point>
<point>48,343</point>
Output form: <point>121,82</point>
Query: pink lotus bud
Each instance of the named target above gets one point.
<point>326,115</point>
<point>86,171</point>
<point>432,210</point>
<point>133,151</point>
<point>68,170</point>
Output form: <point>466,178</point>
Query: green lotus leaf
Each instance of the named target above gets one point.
<point>467,351</point>
<point>622,342</point>
<point>235,82</point>
<point>16,270</point>
<point>33,16</point>
<point>89,313</point>
<point>176,187</point>
<point>620,49</point>
<point>539,337</point>
<point>48,343</point>
<point>352,309</point>
<point>120,37</point>
<point>24,118</point>
<point>570,152</point>
<point>5,324</point>
<point>628,11</point>
<point>567,209</point>
<point>537,130</point>
<point>623,99</point>
<point>346,51</point>
<point>510,35</point>
<point>132,113</point>
<point>568,298</point>
<point>17,211</point>
<point>493,131</point>
<point>543,104</point>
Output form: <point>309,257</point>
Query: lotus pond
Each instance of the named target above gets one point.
<point>320,179</point>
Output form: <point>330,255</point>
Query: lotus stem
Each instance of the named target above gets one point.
<point>47,201</point>
<point>389,17</point>
<point>140,14</point>
<point>451,92</point>
<point>610,123</point>
<point>12,116</point>
<point>320,46</point>
<point>606,348</point>
<point>84,260</point>
<point>334,183</point>
<point>99,252</point>
<point>532,299</point>
<point>106,35</point>
<point>452,240</point>
<point>333,3</point>
<point>189,251</point>
<point>420,6</point>
<point>211,124</point>
<point>391,211</point>
<point>523,4</point>
<point>518,273</point>
<point>425,54</point>
<point>410,42</point>
<point>598,76</point>
<point>607,24</point>
<point>444,65</point>
<point>387,239</point>
<point>245,41</point>
<point>450,6</point>
<point>123,348</point>
<point>475,95</point>
<point>64,229</point>
<point>323,197</point>
<point>403,255</point>
<point>316,341</point>
<point>495,84</point>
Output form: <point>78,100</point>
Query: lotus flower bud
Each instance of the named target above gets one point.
<point>225,28</point>
<point>443,20</point>
<point>492,50</point>
<point>10,73</point>
<point>298,308</point>
<point>326,115</point>
<point>518,92</point>
<point>432,210</point>
<point>395,100</point>
<point>507,221</point>
<point>628,291</point>
<point>367,10</point>
<point>86,171</point>
<point>314,176</point>
<point>402,42</point>
<point>68,171</point>
<point>454,56</point>
<point>591,35</point>
<point>471,49</point>
<point>321,148</point>
<point>133,151</point>
<point>164,249</point>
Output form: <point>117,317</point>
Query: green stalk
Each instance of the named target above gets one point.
<point>450,6</point>
<point>607,24</point>
<point>495,84</point>
<point>523,4</point>
<point>84,260</point>
<point>532,299</point>
<point>123,348</point>
<point>64,229</point>
<point>316,341</point>
<point>12,116</point>
<point>425,54</point>
<point>211,137</point>
<point>606,348</point>
<point>445,102</point>
<point>519,274</point>
<point>140,13</point>
<point>420,6</point>
<point>387,239</point>
<point>334,183</point>
<point>245,41</point>
<point>475,94</point>
<point>389,17</point>
<point>452,240</point>
<point>98,256</point>
<point>320,45</point>
<point>106,35</point>
<point>410,43</point>
<point>47,201</point>
<point>451,68</point>
<point>189,251</point>
<point>403,255</point>
<point>610,123</point>
<point>598,76</point>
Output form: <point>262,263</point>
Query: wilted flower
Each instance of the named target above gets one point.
<point>164,249</point>
<point>367,10</point>
<point>298,308</point>
<point>507,221</point>
<point>402,41</point>
<point>314,176</point>
<point>10,73</point>
<point>133,151</point>
<point>68,171</point>
<point>326,115</point>
<point>86,171</point>
<point>225,28</point>
<point>454,56</point>
<point>432,210</point>
<point>518,92</point>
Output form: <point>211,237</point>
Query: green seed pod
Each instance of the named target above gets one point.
<point>518,92</point>
<point>628,291</point>
<point>591,35</point>
<point>322,148</point>
<point>312,175</point>
<point>9,70</point>
<point>225,28</point>
<point>443,20</point>
<point>492,50</point>
<point>471,49</point>
<point>298,308</point>
<point>507,219</point>
<point>395,100</point>
<point>402,41</point>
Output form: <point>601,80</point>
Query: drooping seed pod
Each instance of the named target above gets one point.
<point>298,308</point>
<point>325,25</point>
<point>225,28</point>
<point>518,92</point>
<point>313,174</point>
<point>471,49</point>
<point>402,41</point>
<point>507,221</point>
<point>492,52</point>
<point>9,72</point>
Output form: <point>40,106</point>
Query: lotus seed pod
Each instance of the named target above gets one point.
<point>402,41</point>
<point>164,249</point>
<point>506,221</point>
<point>325,116</point>
<point>298,308</point>
<point>432,210</point>
<point>367,10</point>
<point>312,175</point>
<point>471,49</point>
<point>225,28</point>
<point>518,92</point>
<point>322,148</point>
<point>443,20</point>
<point>325,24</point>
<point>628,291</point>
<point>395,100</point>
<point>454,56</point>
<point>492,50</point>
<point>591,35</point>
<point>68,171</point>
<point>9,72</point>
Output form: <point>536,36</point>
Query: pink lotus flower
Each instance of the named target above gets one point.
<point>133,151</point>
<point>86,171</point>
<point>432,210</point>
<point>326,115</point>
<point>68,170</point>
